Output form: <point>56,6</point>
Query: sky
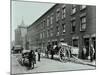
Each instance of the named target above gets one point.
<point>28,11</point>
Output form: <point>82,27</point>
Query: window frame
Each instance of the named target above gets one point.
<point>48,20</point>
<point>73,9</point>
<point>58,15</point>
<point>83,23</point>
<point>75,38</point>
<point>63,11</point>
<point>63,28</point>
<point>73,26</point>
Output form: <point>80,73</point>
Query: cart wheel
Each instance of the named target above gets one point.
<point>64,54</point>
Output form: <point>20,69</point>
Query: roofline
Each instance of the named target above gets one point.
<point>43,15</point>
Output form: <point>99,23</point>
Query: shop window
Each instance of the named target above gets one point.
<point>75,42</point>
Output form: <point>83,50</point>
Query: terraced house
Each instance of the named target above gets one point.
<point>74,24</point>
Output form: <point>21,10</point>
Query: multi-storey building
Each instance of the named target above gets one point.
<point>74,24</point>
<point>20,35</point>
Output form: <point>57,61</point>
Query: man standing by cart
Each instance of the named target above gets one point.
<point>39,53</point>
<point>32,59</point>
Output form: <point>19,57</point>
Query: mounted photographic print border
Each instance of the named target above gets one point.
<point>52,37</point>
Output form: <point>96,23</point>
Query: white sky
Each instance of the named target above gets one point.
<point>29,11</point>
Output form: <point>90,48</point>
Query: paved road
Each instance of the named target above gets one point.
<point>46,65</point>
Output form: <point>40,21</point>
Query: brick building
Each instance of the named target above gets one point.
<point>74,24</point>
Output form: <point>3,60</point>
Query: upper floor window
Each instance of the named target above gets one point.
<point>73,26</point>
<point>47,33</point>
<point>82,7</point>
<point>58,15</point>
<point>51,32</point>
<point>40,35</point>
<point>63,28</point>
<point>57,28</point>
<point>51,19</point>
<point>43,23</point>
<point>63,11</point>
<point>73,9</point>
<point>43,34</point>
<point>48,21</point>
<point>83,23</point>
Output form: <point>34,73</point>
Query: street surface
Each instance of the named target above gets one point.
<point>45,65</point>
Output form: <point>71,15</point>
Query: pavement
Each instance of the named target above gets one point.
<point>77,60</point>
<point>85,62</point>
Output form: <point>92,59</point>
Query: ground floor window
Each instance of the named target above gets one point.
<point>54,42</point>
<point>75,42</point>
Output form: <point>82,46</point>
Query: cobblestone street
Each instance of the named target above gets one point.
<point>46,65</point>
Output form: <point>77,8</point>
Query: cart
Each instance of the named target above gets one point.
<point>64,51</point>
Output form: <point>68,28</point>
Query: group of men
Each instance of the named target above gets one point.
<point>91,53</point>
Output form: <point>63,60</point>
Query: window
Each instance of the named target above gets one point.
<point>58,15</point>
<point>51,19</point>
<point>63,12</point>
<point>82,7</point>
<point>83,23</point>
<point>75,42</point>
<point>43,23</point>
<point>40,35</point>
<point>73,26</point>
<point>73,9</point>
<point>51,32</point>
<point>57,30</point>
<point>43,34</point>
<point>48,33</point>
<point>63,28</point>
<point>48,21</point>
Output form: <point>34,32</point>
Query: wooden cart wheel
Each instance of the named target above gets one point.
<point>64,54</point>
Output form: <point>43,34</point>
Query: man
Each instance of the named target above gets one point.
<point>92,52</point>
<point>48,49</point>
<point>84,52</point>
<point>32,59</point>
<point>52,51</point>
<point>39,54</point>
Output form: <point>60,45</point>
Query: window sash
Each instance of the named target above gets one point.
<point>63,27</point>
<point>63,12</point>
<point>83,23</point>
<point>57,15</point>
<point>48,21</point>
